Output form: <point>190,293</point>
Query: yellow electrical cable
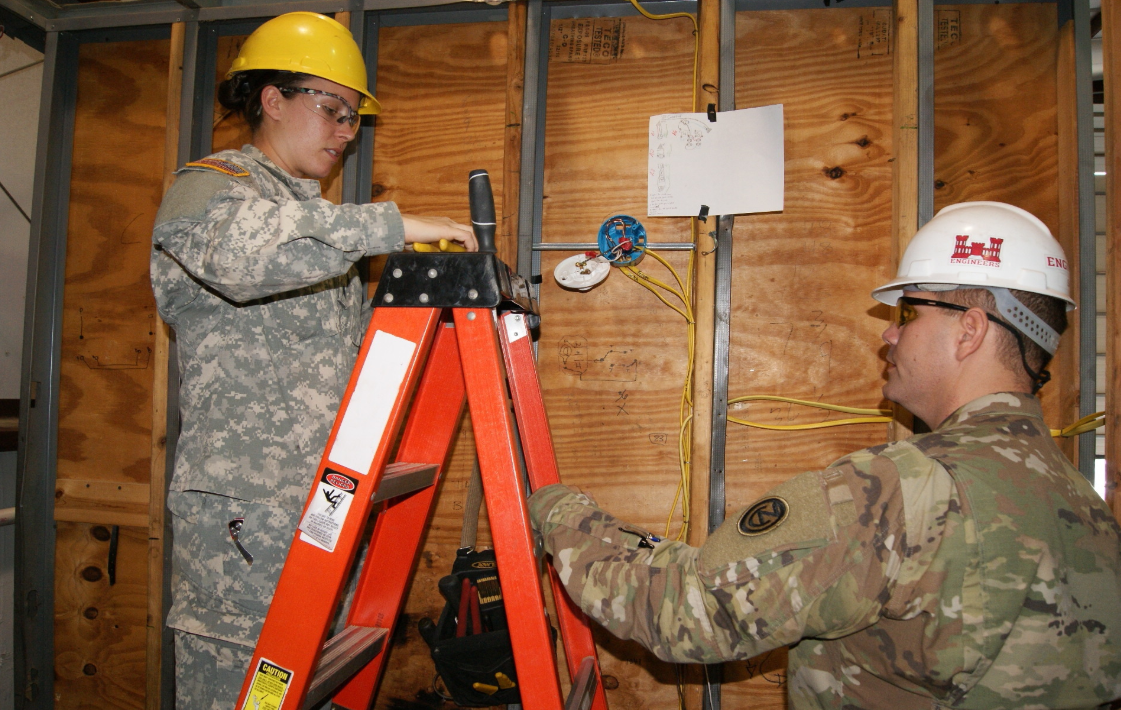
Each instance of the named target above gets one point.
<point>807,403</point>
<point>684,295</point>
<point>696,39</point>
<point>872,416</point>
<point>818,425</point>
<point>1086,424</point>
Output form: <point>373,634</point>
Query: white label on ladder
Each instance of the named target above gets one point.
<point>367,413</point>
<point>515,327</point>
<point>327,511</point>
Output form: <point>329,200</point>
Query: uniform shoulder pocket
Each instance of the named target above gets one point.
<point>793,516</point>
<point>189,195</point>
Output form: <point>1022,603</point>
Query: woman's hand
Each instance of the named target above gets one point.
<point>428,230</point>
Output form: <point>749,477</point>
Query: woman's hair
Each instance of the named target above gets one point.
<point>241,93</point>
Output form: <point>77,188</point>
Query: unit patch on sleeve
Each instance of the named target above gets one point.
<point>221,166</point>
<point>764,516</point>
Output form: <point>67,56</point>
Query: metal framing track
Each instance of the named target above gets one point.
<point>35,529</point>
<point>1087,255</point>
<point>35,536</point>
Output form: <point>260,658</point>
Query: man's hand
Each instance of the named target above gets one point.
<point>428,230</point>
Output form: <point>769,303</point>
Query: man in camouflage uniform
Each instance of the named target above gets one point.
<point>970,567</point>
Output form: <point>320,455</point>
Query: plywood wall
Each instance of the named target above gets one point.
<point>803,325</point>
<point>612,361</point>
<point>996,121</point>
<point>442,89</point>
<point>108,328</point>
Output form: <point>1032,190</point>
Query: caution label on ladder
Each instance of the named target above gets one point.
<point>270,685</point>
<point>327,511</point>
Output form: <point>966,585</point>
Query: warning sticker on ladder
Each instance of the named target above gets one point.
<point>327,511</point>
<point>270,685</point>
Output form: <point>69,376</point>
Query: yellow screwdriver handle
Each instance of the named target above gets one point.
<point>443,245</point>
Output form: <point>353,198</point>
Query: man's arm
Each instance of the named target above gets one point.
<point>806,565</point>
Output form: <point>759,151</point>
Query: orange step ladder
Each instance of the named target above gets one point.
<point>448,328</point>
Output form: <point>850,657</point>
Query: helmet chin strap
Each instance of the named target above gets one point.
<point>1025,320</point>
<point>1022,321</point>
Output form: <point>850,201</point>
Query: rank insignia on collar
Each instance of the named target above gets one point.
<point>221,166</point>
<point>764,516</point>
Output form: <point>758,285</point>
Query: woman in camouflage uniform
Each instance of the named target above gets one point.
<point>256,273</point>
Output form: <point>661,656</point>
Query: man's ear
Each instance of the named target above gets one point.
<point>973,328</point>
<point>270,102</point>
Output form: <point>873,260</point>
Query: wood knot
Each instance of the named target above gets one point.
<point>89,669</point>
<point>100,532</point>
<point>847,116</point>
<point>610,682</point>
<point>91,573</point>
<point>377,191</point>
<point>834,173</point>
<point>90,612</point>
<point>863,142</point>
<point>938,184</point>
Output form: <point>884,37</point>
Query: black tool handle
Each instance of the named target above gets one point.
<point>482,210</point>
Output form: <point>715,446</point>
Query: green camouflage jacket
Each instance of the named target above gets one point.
<point>256,274</point>
<point>971,567</point>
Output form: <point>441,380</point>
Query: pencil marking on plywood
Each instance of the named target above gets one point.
<point>613,366</point>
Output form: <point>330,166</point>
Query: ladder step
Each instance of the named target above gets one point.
<point>402,478</point>
<point>344,655</point>
<point>583,687</point>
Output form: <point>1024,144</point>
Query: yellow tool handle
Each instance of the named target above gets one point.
<point>443,245</point>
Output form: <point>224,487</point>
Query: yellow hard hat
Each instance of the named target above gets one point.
<point>309,43</point>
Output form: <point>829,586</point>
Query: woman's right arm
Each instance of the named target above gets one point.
<point>221,231</point>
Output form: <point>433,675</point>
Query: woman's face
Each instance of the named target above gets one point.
<point>301,132</point>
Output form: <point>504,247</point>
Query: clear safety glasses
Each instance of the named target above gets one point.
<point>330,106</point>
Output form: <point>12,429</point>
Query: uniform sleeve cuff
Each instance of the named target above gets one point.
<point>544,500</point>
<point>393,239</point>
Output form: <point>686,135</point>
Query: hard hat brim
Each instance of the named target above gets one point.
<point>890,292</point>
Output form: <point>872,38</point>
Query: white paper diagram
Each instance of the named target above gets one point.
<point>735,164</point>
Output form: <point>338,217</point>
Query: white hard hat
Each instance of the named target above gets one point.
<point>987,245</point>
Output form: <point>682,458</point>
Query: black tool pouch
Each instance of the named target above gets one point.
<point>477,666</point>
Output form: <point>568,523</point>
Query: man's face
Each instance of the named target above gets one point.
<point>919,359</point>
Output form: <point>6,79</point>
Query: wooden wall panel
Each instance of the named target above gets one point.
<point>108,335</point>
<point>100,628</point>
<point>108,310</point>
<point>612,361</point>
<point>803,323</point>
<point>996,123</point>
<point>443,90</point>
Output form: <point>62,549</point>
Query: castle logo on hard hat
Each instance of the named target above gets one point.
<point>976,253</point>
<point>764,516</point>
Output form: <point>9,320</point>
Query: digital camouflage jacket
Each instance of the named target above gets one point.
<point>256,274</point>
<point>971,567</point>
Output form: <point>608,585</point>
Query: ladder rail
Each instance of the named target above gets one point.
<point>541,468</point>
<point>311,583</point>
<point>485,378</point>
<point>395,545</point>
